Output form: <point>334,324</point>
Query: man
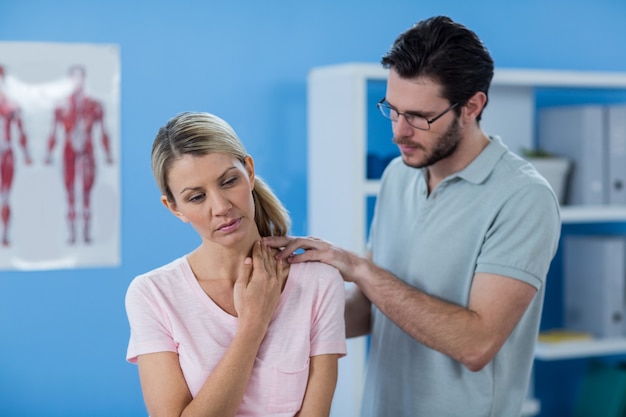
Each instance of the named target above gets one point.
<point>460,244</point>
<point>78,118</point>
<point>10,121</point>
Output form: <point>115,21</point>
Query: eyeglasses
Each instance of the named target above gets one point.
<point>414,120</point>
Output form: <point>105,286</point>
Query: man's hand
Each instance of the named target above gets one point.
<point>303,249</point>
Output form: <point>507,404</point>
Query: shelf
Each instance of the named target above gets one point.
<point>580,349</point>
<point>557,78</point>
<point>510,77</point>
<point>593,214</point>
<point>530,407</point>
<point>372,187</point>
<point>569,214</point>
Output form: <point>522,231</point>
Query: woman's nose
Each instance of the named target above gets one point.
<point>221,205</point>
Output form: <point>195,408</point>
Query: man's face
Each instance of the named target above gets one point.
<point>421,97</point>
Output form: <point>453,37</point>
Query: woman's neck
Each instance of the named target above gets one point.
<point>214,261</point>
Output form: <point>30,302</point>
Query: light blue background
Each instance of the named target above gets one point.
<point>63,334</point>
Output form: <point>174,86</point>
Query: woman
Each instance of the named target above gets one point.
<point>227,330</point>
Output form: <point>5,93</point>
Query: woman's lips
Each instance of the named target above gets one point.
<point>230,226</point>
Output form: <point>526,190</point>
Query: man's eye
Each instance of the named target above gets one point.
<point>412,117</point>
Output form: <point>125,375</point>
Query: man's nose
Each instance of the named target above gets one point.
<point>401,126</point>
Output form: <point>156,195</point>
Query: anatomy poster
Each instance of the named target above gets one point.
<point>59,155</point>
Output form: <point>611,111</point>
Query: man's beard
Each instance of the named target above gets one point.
<point>445,146</point>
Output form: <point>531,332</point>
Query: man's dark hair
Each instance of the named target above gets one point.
<point>446,52</point>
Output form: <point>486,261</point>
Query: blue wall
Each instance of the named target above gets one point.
<point>63,334</point>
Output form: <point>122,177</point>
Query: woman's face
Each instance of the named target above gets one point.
<point>213,192</point>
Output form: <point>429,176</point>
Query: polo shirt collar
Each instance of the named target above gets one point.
<point>479,169</point>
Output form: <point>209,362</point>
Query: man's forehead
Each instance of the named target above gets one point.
<point>412,90</point>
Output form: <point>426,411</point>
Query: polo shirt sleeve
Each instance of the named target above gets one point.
<point>523,237</point>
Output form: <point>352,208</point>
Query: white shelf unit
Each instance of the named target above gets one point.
<point>580,349</point>
<point>593,214</point>
<point>593,347</point>
<point>338,187</point>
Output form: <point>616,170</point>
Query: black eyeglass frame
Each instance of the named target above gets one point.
<point>382,103</point>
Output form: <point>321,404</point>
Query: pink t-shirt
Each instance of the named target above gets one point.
<point>168,311</point>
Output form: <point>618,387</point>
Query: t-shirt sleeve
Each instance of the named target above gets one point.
<point>149,331</point>
<point>328,330</point>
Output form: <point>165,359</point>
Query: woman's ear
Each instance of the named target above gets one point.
<point>171,206</point>
<point>249,165</point>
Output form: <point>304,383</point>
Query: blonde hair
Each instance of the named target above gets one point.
<point>197,133</point>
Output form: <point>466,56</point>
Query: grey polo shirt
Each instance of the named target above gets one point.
<point>498,216</point>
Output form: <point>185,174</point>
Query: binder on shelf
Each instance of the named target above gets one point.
<point>617,154</point>
<point>577,133</point>
<point>594,138</point>
<point>563,335</point>
<point>594,285</point>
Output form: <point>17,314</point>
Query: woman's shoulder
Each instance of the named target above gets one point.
<point>165,275</point>
<point>318,271</point>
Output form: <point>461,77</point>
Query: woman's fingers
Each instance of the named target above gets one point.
<point>264,262</point>
<point>241,284</point>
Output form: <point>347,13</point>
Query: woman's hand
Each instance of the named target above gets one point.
<point>257,290</point>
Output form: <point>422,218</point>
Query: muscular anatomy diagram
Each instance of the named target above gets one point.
<point>78,118</point>
<point>10,121</point>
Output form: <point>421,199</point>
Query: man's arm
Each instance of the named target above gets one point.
<point>471,335</point>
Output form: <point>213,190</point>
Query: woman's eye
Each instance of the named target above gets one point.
<point>196,198</point>
<point>230,182</point>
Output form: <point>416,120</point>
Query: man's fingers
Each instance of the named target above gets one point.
<point>277,242</point>
<point>311,248</point>
<point>306,256</point>
<point>287,245</point>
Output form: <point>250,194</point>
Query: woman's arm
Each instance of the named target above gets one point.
<point>256,294</point>
<point>320,387</point>
<point>165,390</point>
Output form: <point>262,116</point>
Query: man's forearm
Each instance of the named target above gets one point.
<point>448,328</point>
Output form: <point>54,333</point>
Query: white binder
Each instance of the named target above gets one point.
<point>616,121</point>
<point>578,133</point>
<point>594,285</point>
